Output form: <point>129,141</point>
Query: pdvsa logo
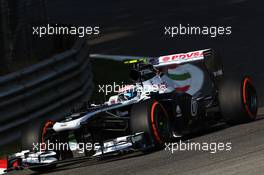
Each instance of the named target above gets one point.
<point>182,57</point>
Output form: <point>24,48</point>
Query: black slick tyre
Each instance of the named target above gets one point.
<point>151,117</point>
<point>238,100</point>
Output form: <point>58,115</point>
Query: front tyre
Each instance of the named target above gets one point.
<point>238,100</point>
<point>46,134</point>
<point>152,118</point>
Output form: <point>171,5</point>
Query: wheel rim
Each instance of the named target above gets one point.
<point>160,122</point>
<point>250,98</point>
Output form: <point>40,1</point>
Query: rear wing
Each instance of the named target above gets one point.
<point>181,58</point>
<point>208,57</point>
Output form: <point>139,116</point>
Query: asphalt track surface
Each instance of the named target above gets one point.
<point>245,157</point>
<point>136,28</point>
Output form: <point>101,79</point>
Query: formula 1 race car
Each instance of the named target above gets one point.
<point>170,97</point>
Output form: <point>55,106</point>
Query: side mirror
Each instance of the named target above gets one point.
<point>134,74</point>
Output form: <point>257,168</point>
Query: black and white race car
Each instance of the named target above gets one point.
<point>171,96</point>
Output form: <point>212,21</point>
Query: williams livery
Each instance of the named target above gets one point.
<point>170,96</point>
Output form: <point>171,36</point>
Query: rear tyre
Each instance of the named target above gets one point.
<point>151,117</point>
<point>238,100</point>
